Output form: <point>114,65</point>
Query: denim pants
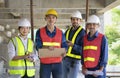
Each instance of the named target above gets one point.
<point>70,67</point>
<point>47,69</point>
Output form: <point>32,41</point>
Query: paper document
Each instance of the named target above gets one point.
<point>94,72</point>
<point>57,52</point>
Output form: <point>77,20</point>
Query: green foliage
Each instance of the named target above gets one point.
<point>114,55</point>
<point>113,34</point>
<point>115,47</point>
<point>116,16</point>
<point>113,59</point>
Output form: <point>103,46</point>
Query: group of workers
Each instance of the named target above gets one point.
<point>86,50</point>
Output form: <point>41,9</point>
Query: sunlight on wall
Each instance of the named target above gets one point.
<point>107,18</point>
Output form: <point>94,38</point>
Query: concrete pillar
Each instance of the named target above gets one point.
<point>101,28</point>
<point>4,54</point>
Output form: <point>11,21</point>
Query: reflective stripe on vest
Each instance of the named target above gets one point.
<point>73,41</point>
<point>91,51</point>
<point>51,44</point>
<point>90,47</point>
<point>22,67</point>
<point>89,59</point>
<point>19,66</point>
<point>48,41</point>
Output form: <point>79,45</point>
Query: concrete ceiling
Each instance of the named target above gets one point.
<point>12,10</point>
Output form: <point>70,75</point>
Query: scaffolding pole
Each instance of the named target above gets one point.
<point>31,16</point>
<point>87,14</point>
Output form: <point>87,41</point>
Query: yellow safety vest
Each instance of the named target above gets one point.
<point>69,54</point>
<point>20,66</point>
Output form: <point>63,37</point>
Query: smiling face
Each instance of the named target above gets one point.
<point>24,31</point>
<point>51,20</point>
<point>75,21</point>
<point>92,27</point>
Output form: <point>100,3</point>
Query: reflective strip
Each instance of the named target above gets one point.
<point>30,44</point>
<point>90,47</point>
<point>51,44</point>
<point>89,59</point>
<point>73,41</point>
<point>74,56</point>
<point>67,34</point>
<point>19,68</point>
<point>75,35</point>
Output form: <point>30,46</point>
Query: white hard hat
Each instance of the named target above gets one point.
<point>93,19</point>
<point>76,14</point>
<point>24,23</point>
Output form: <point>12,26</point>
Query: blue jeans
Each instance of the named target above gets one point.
<point>70,67</point>
<point>47,69</point>
<point>91,76</point>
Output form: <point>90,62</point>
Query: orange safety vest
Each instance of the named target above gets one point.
<point>47,41</point>
<point>91,51</point>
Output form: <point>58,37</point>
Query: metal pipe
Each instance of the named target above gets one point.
<point>87,10</point>
<point>31,16</point>
<point>87,14</point>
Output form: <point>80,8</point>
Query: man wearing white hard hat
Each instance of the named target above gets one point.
<point>21,52</point>
<point>74,36</point>
<point>95,50</point>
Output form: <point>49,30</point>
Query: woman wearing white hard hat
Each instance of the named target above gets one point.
<point>74,35</point>
<point>95,50</point>
<point>21,53</point>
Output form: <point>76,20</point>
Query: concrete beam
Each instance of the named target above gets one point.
<point>112,5</point>
<point>56,4</point>
<point>37,22</point>
<point>41,10</point>
<point>2,3</point>
<point>108,2</point>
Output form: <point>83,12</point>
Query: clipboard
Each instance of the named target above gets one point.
<point>57,52</point>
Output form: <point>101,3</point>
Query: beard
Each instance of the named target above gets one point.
<point>75,24</point>
<point>92,30</point>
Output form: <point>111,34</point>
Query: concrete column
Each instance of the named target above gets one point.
<point>4,54</point>
<point>101,28</point>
